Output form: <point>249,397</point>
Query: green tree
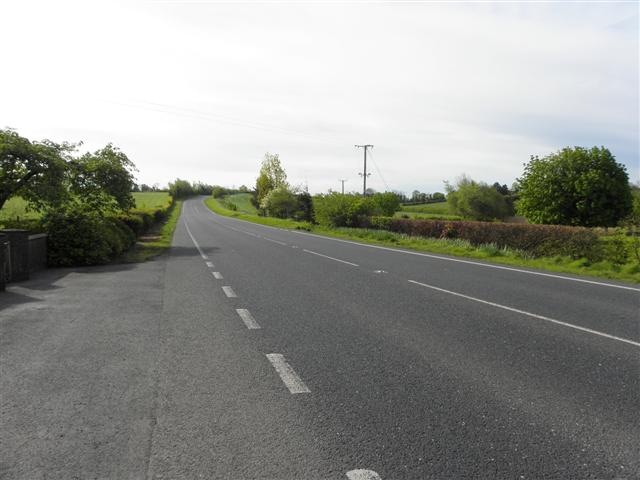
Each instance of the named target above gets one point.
<point>34,171</point>
<point>103,179</point>
<point>386,203</point>
<point>280,202</point>
<point>575,186</point>
<point>181,189</point>
<point>272,176</point>
<point>477,200</point>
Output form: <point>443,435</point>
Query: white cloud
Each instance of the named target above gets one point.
<point>201,91</point>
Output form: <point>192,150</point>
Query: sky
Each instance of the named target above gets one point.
<point>201,90</point>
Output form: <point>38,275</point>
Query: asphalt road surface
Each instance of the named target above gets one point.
<point>255,353</point>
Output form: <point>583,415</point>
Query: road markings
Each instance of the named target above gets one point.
<point>363,475</point>
<point>274,241</point>
<point>202,254</point>
<point>534,315</point>
<point>229,292</point>
<point>217,275</point>
<point>448,259</point>
<point>289,377</point>
<point>247,318</point>
<point>438,257</point>
<point>209,264</point>
<point>330,258</point>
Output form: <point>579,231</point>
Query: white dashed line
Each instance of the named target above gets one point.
<point>229,292</point>
<point>274,241</point>
<point>209,264</point>
<point>217,275</point>
<point>289,377</point>
<point>202,254</point>
<point>363,475</point>
<point>330,258</point>
<point>534,315</point>
<point>247,318</point>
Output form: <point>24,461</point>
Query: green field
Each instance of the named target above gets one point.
<point>242,201</point>
<point>441,208</point>
<point>151,199</point>
<point>16,207</point>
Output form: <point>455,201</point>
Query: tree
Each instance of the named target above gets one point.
<point>575,186</point>
<point>180,189</point>
<point>477,200</point>
<point>103,179</point>
<point>439,197</point>
<point>280,202</point>
<point>271,176</point>
<point>386,203</point>
<point>34,171</point>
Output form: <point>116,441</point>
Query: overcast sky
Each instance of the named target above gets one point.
<point>201,90</point>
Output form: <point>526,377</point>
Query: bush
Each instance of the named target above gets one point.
<point>79,236</point>
<point>280,203</point>
<point>339,210</point>
<point>477,200</point>
<point>538,240</point>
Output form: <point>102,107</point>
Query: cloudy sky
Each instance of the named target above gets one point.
<point>202,89</point>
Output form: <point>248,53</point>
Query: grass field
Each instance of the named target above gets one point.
<point>242,201</point>
<point>441,208</point>
<point>16,207</point>
<point>455,247</point>
<point>151,199</point>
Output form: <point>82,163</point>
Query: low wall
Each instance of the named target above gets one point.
<point>21,254</point>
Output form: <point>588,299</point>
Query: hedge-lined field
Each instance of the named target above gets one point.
<point>151,199</point>
<point>575,250</point>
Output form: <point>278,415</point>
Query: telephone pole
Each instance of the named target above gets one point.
<point>365,174</point>
<point>342,180</point>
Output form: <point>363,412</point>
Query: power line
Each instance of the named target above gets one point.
<point>386,185</point>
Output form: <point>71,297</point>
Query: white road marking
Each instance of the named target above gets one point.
<point>363,475</point>
<point>202,254</point>
<point>438,257</point>
<point>330,258</point>
<point>534,315</point>
<point>209,264</point>
<point>247,318</point>
<point>217,275</point>
<point>274,241</point>
<point>289,377</point>
<point>229,292</point>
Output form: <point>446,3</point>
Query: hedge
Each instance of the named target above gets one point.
<point>537,240</point>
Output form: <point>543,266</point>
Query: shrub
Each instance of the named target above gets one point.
<point>340,210</point>
<point>79,236</point>
<point>538,240</point>
<point>477,200</point>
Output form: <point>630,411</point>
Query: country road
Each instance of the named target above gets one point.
<point>251,352</point>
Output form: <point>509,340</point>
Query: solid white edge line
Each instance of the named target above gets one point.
<point>330,258</point>
<point>288,376</point>
<point>534,315</point>
<point>438,257</point>
<point>247,318</point>
<point>229,292</point>
<point>361,474</point>
<point>217,275</point>
<point>194,241</point>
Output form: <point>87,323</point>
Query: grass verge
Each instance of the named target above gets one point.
<point>453,247</point>
<point>156,241</point>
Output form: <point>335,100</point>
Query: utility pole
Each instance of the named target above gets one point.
<point>342,180</point>
<point>365,174</point>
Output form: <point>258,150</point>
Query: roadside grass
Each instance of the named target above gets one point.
<point>242,201</point>
<point>156,241</point>
<point>454,247</point>
<point>151,199</point>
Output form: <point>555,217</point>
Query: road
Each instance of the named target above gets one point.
<point>256,353</point>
